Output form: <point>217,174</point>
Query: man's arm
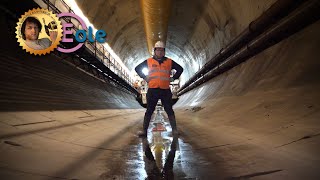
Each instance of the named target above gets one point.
<point>178,68</point>
<point>139,68</point>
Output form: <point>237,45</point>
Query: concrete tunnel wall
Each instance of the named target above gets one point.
<point>263,114</point>
<point>256,111</point>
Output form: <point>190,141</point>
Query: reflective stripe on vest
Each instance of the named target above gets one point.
<point>159,74</point>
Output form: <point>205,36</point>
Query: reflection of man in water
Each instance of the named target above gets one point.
<point>151,166</point>
<point>30,30</point>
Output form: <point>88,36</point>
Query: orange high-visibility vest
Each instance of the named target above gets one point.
<point>159,74</point>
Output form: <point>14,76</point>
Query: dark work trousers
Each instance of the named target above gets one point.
<point>153,95</point>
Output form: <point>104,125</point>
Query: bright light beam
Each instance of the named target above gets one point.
<point>78,11</point>
<point>145,71</point>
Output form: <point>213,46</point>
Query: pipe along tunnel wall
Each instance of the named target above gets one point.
<point>259,119</point>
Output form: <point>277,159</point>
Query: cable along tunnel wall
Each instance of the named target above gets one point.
<point>274,63</point>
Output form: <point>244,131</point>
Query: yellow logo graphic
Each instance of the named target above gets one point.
<point>39,31</point>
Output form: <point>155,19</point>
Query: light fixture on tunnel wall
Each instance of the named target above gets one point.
<point>145,71</point>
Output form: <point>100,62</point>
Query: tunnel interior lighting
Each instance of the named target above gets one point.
<point>78,11</point>
<point>145,71</point>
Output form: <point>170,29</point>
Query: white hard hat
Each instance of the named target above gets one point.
<point>159,44</point>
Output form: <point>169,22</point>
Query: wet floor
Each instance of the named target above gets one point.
<point>161,156</point>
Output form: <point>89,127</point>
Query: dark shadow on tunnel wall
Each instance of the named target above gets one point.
<point>34,83</point>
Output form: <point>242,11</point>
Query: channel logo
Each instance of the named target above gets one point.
<point>39,32</point>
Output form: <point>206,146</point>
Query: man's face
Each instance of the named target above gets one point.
<point>159,52</point>
<point>31,31</point>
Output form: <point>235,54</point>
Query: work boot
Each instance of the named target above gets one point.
<point>173,123</point>
<point>146,122</point>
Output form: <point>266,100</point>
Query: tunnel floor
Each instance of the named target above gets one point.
<point>267,135</point>
<point>95,144</point>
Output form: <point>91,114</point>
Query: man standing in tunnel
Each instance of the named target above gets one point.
<point>158,79</point>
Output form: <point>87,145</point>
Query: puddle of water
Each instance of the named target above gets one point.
<point>173,160</point>
<point>162,156</point>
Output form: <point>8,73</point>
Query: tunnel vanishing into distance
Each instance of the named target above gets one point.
<point>249,106</point>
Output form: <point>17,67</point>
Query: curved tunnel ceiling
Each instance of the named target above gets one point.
<point>122,20</point>
<point>197,30</point>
